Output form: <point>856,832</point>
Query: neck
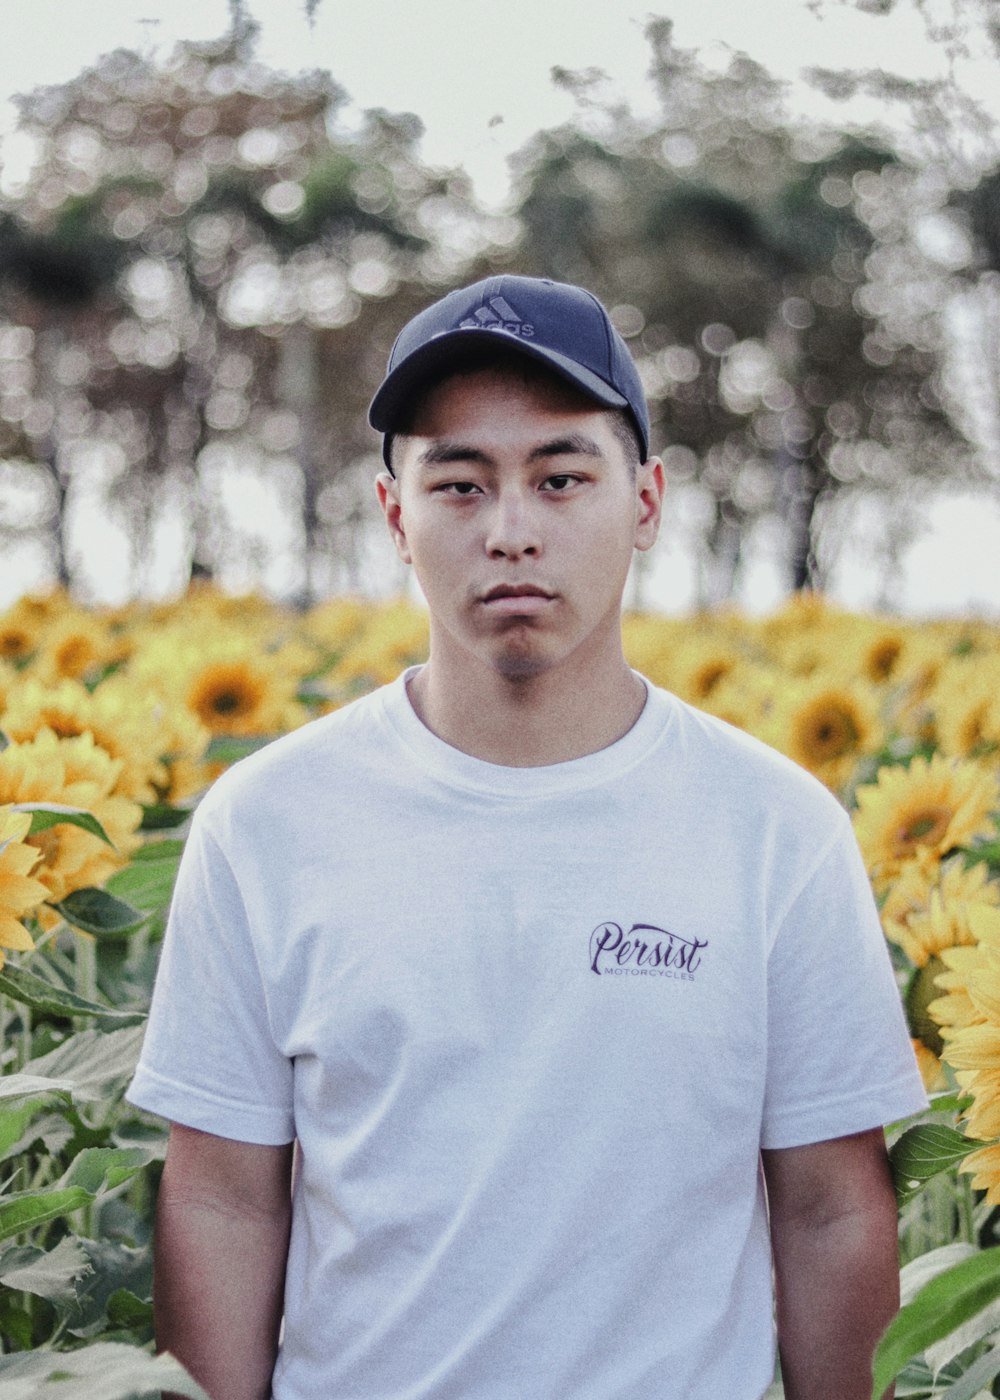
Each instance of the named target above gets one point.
<point>530,722</point>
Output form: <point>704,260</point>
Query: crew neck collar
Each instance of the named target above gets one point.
<point>459,769</point>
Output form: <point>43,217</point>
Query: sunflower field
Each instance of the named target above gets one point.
<point>112,723</point>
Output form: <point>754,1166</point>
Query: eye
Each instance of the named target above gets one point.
<point>456,488</point>
<point>559,481</point>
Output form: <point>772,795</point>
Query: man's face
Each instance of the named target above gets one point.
<point>516,507</point>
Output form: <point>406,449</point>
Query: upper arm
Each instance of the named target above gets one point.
<point>243,1177</point>
<point>822,1181</point>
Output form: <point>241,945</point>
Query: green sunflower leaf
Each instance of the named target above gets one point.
<point>126,1309</point>
<point>25,987</point>
<point>88,1064</point>
<point>92,1174</point>
<point>50,1275</point>
<point>228,748</point>
<point>949,1102</point>
<point>147,882</point>
<point>100,913</point>
<point>923,1152</point>
<point>923,989</point>
<point>942,1305</point>
<point>26,1210</point>
<point>47,814</point>
<point>987,853</point>
<point>103,1371</point>
<point>976,1379</point>
<point>160,816</point>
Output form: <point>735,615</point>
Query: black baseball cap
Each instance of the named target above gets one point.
<point>564,326</point>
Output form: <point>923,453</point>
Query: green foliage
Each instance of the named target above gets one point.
<point>148,880</point>
<point>99,913</point>
<point>78,1165</point>
<point>921,991</point>
<point>953,1298</point>
<point>105,1371</point>
<point>48,814</point>
<point>922,1152</point>
<point>41,996</point>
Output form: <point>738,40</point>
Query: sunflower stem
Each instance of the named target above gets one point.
<point>965,1203</point>
<point>25,1036</point>
<point>86,968</point>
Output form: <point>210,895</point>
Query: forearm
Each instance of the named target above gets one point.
<point>837,1289</point>
<point>218,1289</point>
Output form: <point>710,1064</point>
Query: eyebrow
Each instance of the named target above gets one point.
<point>568,444</point>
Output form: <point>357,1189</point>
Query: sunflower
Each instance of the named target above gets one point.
<point>929,1066</point>
<point>909,893</point>
<point>20,894</point>
<point>985,1164</point>
<point>743,698</point>
<point>922,812</point>
<point>809,638</point>
<point>74,773</point>
<point>954,1009</point>
<point>252,613</point>
<point>700,667</point>
<point>229,697</point>
<point>8,681</point>
<point>968,968</point>
<point>332,624</point>
<point>247,694</point>
<point>969,1015</point>
<point>230,683</point>
<point>943,915</point>
<point>881,658</point>
<point>397,637</point>
<point>966,706</point>
<point>17,640</point>
<point>185,740</point>
<point>974,1052</point>
<point>76,646</point>
<point>826,728</point>
<point>129,722</point>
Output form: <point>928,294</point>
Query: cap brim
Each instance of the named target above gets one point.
<point>398,387</point>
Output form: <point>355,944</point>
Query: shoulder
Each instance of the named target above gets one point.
<point>778,828</point>
<point>721,746</point>
<point>321,756</point>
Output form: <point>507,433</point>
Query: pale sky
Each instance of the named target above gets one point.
<point>477,72</point>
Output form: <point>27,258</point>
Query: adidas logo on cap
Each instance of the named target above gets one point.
<point>497,314</point>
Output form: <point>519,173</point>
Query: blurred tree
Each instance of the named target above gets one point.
<point>947,123</point>
<point>202,268</point>
<point>205,272</point>
<point>740,253</point>
<point>943,115</point>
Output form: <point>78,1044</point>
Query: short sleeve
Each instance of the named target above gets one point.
<point>839,1053</point>
<point>209,1059</point>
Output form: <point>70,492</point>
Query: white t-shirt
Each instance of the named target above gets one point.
<point>530,1027</point>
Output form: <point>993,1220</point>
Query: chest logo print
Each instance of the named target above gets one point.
<point>645,950</point>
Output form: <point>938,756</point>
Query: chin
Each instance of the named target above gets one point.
<point>519,664</point>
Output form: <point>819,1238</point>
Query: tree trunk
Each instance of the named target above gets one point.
<point>802,485</point>
<point>298,386</point>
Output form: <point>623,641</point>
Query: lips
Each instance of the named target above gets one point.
<point>515,590</point>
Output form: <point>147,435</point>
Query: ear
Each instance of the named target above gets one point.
<point>650,486</point>
<point>387,490</point>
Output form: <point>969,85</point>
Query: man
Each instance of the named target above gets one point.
<point>573,999</point>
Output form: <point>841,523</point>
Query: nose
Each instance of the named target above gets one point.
<point>512,528</point>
